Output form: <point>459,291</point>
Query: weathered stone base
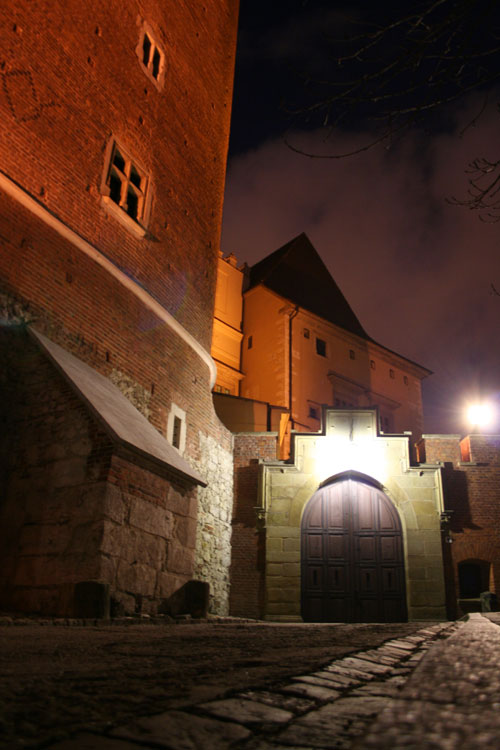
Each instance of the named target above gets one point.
<point>73,510</point>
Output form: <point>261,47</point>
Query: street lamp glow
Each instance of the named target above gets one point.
<point>480,415</point>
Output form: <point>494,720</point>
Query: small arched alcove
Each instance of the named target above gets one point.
<point>352,565</point>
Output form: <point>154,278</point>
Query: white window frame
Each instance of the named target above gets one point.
<point>176,411</point>
<point>134,180</point>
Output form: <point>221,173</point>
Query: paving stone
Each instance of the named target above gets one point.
<point>404,671</point>
<point>177,730</point>
<point>415,639</point>
<point>310,691</point>
<point>379,657</point>
<point>246,711</point>
<point>330,736</point>
<point>331,726</point>
<point>390,690</point>
<point>314,679</point>
<point>364,665</point>
<point>287,702</point>
<point>397,653</point>
<point>415,658</point>
<point>348,673</point>
<point>401,646</point>
<point>96,742</point>
<point>339,680</point>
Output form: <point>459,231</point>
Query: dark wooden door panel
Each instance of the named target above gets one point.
<point>337,579</point>
<point>314,546</point>
<point>352,556</point>
<point>335,513</point>
<point>337,546</point>
<point>390,548</point>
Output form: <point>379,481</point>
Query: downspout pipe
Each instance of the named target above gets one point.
<point>293,314</point>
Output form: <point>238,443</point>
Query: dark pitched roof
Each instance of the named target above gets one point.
<point>296,272</point>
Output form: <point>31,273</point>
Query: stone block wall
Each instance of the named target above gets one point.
<point>213,534</point>
<point>55,461</point>
<point>71,509</point>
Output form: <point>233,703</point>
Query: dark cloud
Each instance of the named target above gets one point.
<point>416,270</point>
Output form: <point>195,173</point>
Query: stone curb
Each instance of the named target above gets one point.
<point>326,709</point>
<point>451,701</point>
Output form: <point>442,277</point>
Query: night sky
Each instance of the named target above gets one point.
<point>416,270</point>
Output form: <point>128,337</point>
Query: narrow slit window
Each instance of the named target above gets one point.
<point>176,428</point>
<point>176,434</point>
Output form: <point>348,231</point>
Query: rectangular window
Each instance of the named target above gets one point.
<point>352,354</point>
<point>313,412</point>
<point>250,342</point>
<point>151,56</point>
<point>126,185</point>
<point>321,347</point>
<point>306,333</point>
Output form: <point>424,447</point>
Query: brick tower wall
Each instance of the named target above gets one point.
<point>72,82</point>
<point>471,488</point>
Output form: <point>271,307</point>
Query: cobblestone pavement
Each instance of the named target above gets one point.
<point>335,707</point>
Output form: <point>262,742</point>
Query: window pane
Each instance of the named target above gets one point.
<point>146,49</point>
<point>132,203</point>
<point>321,347</point>
<point>119,161</point>
<point>156,63</point>
<point>115,187</point>
<point>135,177</point>
<point>176,436</point>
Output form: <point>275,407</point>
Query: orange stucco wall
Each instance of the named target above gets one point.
<point>353,372</point>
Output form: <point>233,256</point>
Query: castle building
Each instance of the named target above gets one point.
<point>295,491</point>
<point>115,471</point>
<point>343,511</point>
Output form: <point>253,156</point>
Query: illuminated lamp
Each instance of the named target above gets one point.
<point>480,415</point>
<point>338,454</point>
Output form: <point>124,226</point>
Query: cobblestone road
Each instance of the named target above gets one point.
<point>436,687</point>
<point>329,708</point>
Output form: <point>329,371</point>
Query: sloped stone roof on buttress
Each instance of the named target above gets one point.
<point>125,425</point>
<point>296,272</point>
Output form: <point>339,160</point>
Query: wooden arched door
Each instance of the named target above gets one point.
<point>352,565</point>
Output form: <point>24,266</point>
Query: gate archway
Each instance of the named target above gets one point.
<point>352,566</point>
